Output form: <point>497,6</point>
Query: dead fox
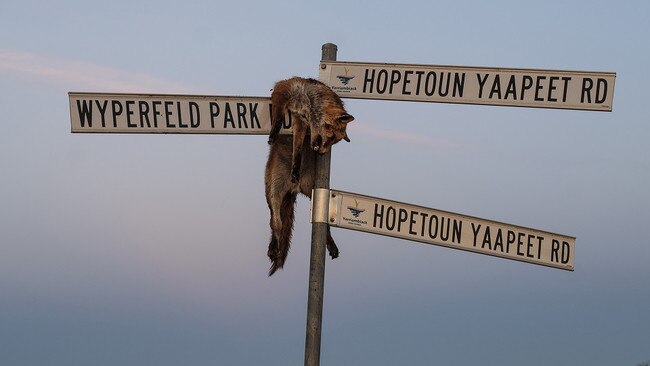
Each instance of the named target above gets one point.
<point>316,111</point>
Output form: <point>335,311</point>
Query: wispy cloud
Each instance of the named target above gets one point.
<point>84,76</point>
<point>407,138</point>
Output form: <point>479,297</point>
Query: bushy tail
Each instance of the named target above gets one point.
<point>277,263</point>
<point>281,241</point>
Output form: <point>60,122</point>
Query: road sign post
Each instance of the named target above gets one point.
<point>318,243</point>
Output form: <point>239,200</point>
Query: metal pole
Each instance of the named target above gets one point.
<point>317,260</point>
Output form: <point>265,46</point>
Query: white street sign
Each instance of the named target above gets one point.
<point>160,113</point>
<point>379,216</point>
<point>471,85</point>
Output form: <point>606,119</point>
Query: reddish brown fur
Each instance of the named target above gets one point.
<point>318,112</point>
<point>281,195</point>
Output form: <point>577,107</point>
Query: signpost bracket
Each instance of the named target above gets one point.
<point>320,205</point>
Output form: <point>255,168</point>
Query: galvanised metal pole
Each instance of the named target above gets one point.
<point>317,260</point>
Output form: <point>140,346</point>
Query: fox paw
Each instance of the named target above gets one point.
<point>334,252</point>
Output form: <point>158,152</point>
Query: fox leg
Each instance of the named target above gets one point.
<point>299,132</point>
<point>277,120</point>
<point>331,246</point>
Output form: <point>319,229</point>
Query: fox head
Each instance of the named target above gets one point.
<point>331,130</point>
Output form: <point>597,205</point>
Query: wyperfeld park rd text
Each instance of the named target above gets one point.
<point>170,114</point>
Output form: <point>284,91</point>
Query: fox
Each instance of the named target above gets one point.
<point>319,120</point>
<point>315,109</point>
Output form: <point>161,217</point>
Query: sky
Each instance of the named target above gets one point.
<point>151,249</point>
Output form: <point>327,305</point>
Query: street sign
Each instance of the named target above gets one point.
<point>471,85</point>
<point>427,225</point>
<point>161,113</point>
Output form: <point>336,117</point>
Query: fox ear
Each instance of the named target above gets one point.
<point>345,118</point>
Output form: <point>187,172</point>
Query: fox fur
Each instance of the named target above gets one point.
<point>316,112</point>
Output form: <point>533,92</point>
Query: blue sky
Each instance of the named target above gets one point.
<point>151,249</point>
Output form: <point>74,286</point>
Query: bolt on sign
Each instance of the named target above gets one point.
<point>580,90</point>
<point>162,113</point>
<point>427,225</point>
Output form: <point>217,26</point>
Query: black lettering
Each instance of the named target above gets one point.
<point>102,110</point>
<point>526,83</point>
<point>566,80</point>
<point>129,112</point>
<point>402,218</point>
<point>378,215</point>
<point>566,252</point>
<point>551,87</point>
<point>459,85</point>
<point>406,82</point>
<point>85,110</point>
<point>411,222</point>
<point>587,84</point>
<point>510,240</point>
<point>168,113</point>
<point>417,87</point>
<point>511,89</point>
<point>241,114</point>
<point>195,115</point>
<point>486,237</point>
<point>539,246</point>
<point>444,236</point>
<point>117,110</point>
<point>228,117</point>
<point>424,220</point>
<point>155,111</point>
<point>446,92</point>
<point>496,87</point>
<point>395,77</point>
<point>520,242</point>
<point>390,221</point>
<point>555,246</point>
<point>481,84</point>
<point>144,113</point>
<point>458,228</point>
<point>475,230</point>
<point>498,241</point>
<point>252,109</point>
<point>538,88</point>
<point>433,233</point>
<point>368,79</point>
<point>530,246</point>
<point>180,116</point>
<point>214,112</point>
<point>427,82</point>
<point>381,89</point>
<point>600,97</point>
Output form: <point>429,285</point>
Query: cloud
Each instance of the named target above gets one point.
<point>81,76</point>
<point>84,76</point>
